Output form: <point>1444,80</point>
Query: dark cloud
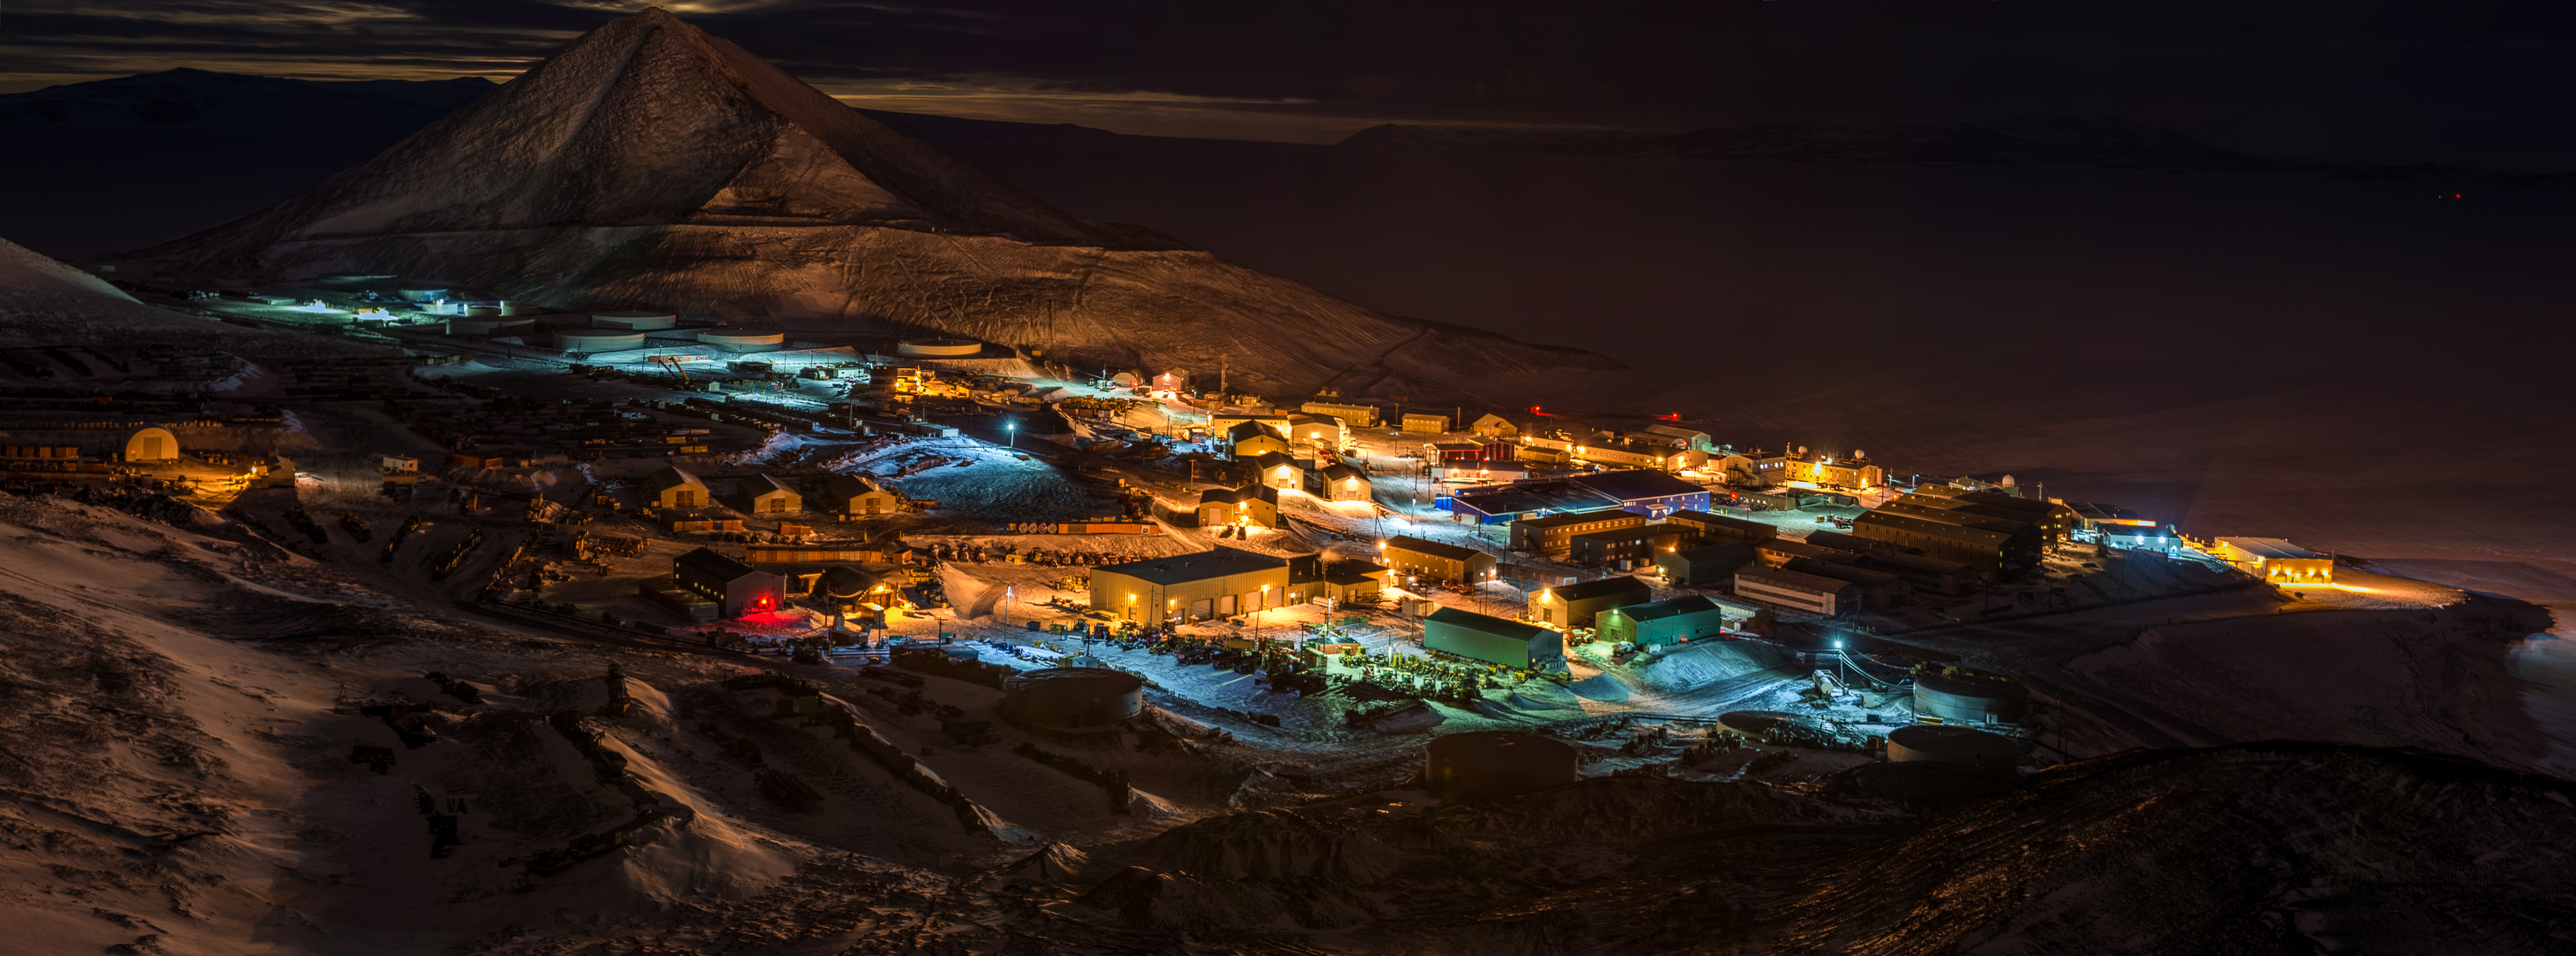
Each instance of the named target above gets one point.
<point>2392,79</point>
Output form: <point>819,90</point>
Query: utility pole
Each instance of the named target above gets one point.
<point>1220,377</point>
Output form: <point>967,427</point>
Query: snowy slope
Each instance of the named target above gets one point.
<point>648,163</point>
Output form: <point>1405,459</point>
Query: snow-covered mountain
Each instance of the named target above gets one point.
<point>648,163</point>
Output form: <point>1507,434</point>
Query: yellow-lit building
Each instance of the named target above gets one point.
<point>2276,560</point>
<point>151,444</point>
<point>1253,439</point>
<point>1850,471</point>
<point>853,496</point>
<point>1255,506</point>
<point>768,495</point>
<point>1220,583</point>
<point>675,488</point>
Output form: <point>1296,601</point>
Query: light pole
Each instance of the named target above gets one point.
<point>1011,434</point>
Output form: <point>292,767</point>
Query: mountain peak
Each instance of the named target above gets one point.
<point>648,162</point>
<point>647,120</point>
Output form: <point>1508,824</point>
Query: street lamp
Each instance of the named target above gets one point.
<point>1011,434</point>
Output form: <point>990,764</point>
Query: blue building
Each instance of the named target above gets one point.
<point>1650,493</point>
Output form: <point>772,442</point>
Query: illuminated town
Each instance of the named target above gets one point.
<point>651,507</point>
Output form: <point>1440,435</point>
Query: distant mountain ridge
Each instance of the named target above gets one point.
<point>2025,141</point>
<point>648,163</point>
<point>203,99</point>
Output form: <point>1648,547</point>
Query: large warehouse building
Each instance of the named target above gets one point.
<point>1219,583</point>
<point>1575,605</point>
<point>1491,639</point>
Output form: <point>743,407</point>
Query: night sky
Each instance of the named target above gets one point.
<point>2358,79</point>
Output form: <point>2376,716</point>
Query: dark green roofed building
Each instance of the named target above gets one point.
<point>1492,639</point>
<point>1676,621</point>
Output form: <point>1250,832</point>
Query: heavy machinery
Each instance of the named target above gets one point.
<point>672,362</point>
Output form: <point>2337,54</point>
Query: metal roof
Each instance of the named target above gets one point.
<point>1705,519</point>
<point>714,565</point>
<point>1882,518</point>
<point>1486,623</point>
<point>1638,484</point>
<point>1432,548</point>
<point>1236,496</point>
<point>669,478</point>
<point>1196,566</point>
<point>1587,590</point>
<point>850,486</point>
<point>1577,517</point>
<point>1676,607</point>
<point>1794,581</point>
<point>1724,550</point>
<point>1535,496</point>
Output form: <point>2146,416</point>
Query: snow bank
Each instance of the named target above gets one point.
<point>1602,687</point>
<point>1708,662</point>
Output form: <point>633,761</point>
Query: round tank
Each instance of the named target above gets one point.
<point>1073,699</point>
<point>1497,763</point>
<point>1959,745</point>
<point>637,320</point>
<point>421,293</point>
<point>939,348</point>
<point>598,340</point>
<point>488,324</point>
<point>1969,697</point>
<point>743,340</point>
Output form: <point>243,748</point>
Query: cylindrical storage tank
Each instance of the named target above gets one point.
<point>1968,697</point>
<point>1959,745</point>
<point>1497,763</point>
<point>1073,699</point>
<point>421,293</point>
<point>637,320</point>
<point>939,348</point>
<point>488,325</point>
<point>598,340</point>
<point>743,340</point>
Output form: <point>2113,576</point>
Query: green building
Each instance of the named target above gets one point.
<point>1493,639</point>
<point>1675,621</point>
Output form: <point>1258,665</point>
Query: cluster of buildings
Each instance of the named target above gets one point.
<point>1267,453</point>
<point>845,497</point>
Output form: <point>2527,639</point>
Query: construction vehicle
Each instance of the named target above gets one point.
<point>672,362</point>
